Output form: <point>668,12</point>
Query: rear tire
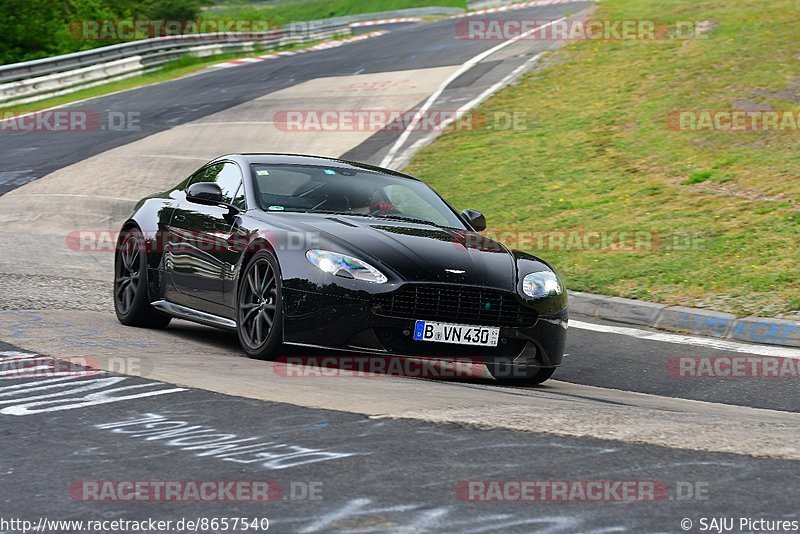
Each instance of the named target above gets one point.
<point>528,377</point>
<point>259,307</point>
<point>131,301</point>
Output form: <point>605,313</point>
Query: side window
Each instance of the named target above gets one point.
<point>228,177</point>
<point>196,177</point>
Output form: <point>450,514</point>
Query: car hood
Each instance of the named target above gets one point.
<point>418,252</point>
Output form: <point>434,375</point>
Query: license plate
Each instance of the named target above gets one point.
<point>483,336</point>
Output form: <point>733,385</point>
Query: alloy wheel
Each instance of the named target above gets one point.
<point>258,303</point>
<point>128,274</point>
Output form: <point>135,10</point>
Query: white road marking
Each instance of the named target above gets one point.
<point>90,399</point>
<point>708,342</point>
<point>387,161</point>
<point>405,156</point>
<point>16,354</point>
<point>222,445</point>
<point>55,394</point>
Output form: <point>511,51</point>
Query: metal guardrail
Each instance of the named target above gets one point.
<point>22,83</point>
<point>431,11</point>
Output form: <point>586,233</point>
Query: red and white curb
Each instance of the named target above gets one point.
<point>335,44</point>
<point>381,22</point>
<point>513,7</point>
<point>321,46</point>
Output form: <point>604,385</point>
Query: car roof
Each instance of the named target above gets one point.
<point>305,159</point>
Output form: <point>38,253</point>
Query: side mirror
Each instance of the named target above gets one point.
<point>204,193</point>
<point>475,219</point>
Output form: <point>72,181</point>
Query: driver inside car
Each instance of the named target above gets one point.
<point>371,204</point>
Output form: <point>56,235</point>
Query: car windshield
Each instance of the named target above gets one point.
<point>308,188</point>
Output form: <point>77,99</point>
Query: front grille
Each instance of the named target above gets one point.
<point>455,304</point>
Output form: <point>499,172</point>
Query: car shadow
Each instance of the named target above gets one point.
<point>320,362</point>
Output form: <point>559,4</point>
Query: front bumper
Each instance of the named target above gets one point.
<point>341,321</point>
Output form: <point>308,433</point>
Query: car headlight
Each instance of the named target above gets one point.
<point>541,284</point>
<point>345,266</point>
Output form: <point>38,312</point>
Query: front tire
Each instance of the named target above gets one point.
<point>259,307</point>
<point>131,302</point>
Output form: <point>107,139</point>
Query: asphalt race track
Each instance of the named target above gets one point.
<point>349,454</point>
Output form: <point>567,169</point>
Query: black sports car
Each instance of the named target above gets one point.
<point>322,252</point>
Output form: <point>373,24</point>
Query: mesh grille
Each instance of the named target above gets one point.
<point>455,304</point>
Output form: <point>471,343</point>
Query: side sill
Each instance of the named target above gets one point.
<point>190,314</point>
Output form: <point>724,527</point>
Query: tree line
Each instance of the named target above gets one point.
<point>32,29</point>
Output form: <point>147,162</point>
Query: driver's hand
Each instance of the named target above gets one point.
<point>382,207</point>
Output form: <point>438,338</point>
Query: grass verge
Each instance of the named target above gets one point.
<point>600,152</point>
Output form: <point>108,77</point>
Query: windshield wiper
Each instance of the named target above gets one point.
<point>354,214</point>
<point>404,218</point>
